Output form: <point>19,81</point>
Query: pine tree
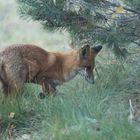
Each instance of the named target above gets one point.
<point>115,23</point>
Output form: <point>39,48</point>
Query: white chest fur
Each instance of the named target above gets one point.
<point>70,75</point>
<point>67,77</point>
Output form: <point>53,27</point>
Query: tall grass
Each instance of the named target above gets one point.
<point>79,111</point>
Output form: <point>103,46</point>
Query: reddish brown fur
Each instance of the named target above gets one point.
<point>29,63</point>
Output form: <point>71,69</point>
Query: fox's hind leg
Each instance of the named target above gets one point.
<point>1,87</point>
<point>16,85</point>
<point>4,88</point>
<point>16,77</point>
<point>3,84</point>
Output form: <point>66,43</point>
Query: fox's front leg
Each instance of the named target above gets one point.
<point>47,88</point>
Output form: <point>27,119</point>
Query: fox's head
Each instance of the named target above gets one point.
<point>87,56</point>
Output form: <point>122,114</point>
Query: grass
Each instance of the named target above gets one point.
<point>79,111</point>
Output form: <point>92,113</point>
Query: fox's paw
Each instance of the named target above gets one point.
<point>42,95</point>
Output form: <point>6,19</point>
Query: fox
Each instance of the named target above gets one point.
<point>20,64</point>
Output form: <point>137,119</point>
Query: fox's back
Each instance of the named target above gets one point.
<point>22,51</point>
<point>24,54</point>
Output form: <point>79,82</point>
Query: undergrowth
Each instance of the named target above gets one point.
<point>79,111</point>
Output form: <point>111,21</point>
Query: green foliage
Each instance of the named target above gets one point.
<point>133,3</point>
<point>93,21</point>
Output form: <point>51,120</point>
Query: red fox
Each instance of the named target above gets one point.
<point>20,64</point>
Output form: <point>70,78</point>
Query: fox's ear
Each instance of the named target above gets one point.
<point>97,48</point>
<point>84,51</point>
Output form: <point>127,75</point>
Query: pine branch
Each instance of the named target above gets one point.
<point>137,43</point>
<point>90,20</point>
<point>126,8</point>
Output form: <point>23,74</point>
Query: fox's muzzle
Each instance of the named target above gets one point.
<point>89,77</point>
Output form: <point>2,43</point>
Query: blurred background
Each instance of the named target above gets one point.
<point>14,30</point>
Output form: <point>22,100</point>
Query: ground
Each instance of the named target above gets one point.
<point>107,110</point>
